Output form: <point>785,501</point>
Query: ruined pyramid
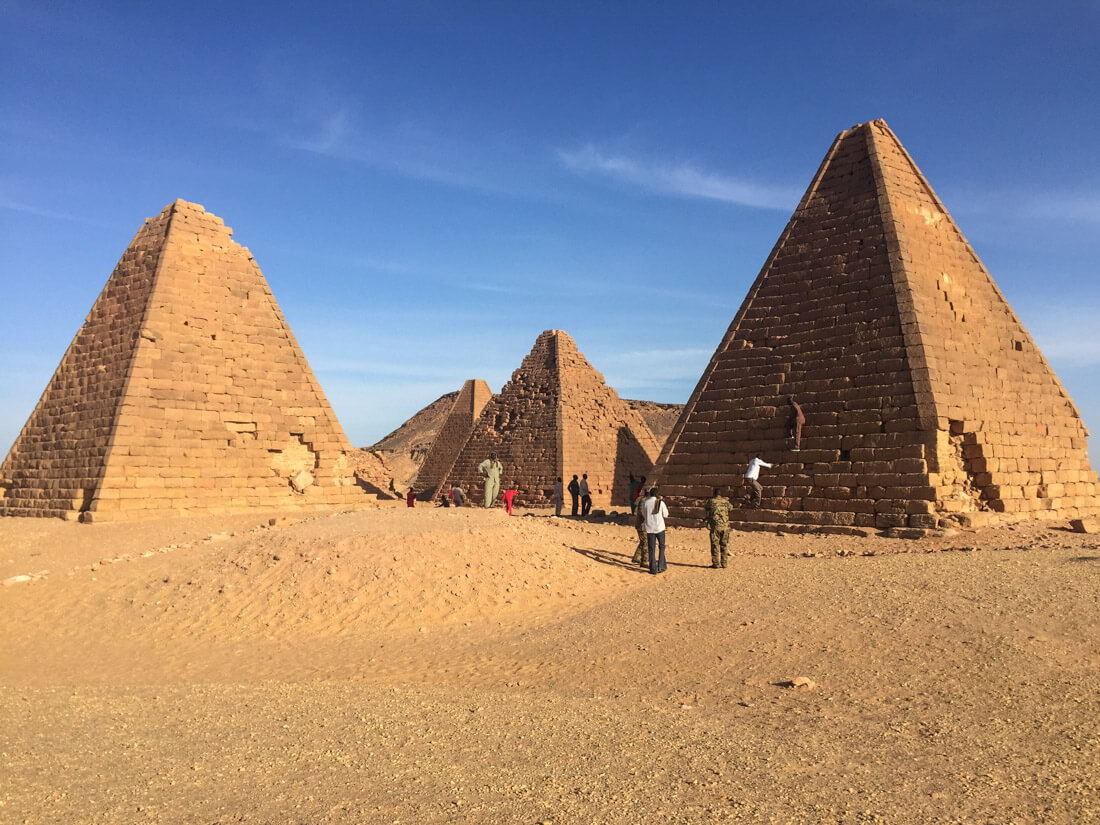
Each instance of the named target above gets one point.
<point>925,398</point>
<point>452,436</point>
<point>183,392</point>
<point>557,417</point>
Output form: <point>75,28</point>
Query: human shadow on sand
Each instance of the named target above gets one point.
<point>621,560</point>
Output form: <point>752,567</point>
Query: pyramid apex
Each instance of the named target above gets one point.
<point>559,333</point>
<point>184,207</point>
<point>877,122</point>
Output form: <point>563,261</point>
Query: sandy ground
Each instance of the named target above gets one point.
<point>408,666</point>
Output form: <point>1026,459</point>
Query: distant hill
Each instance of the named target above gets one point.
<point>661,418</point>
<point>391,464</point>
<point>402,451</point>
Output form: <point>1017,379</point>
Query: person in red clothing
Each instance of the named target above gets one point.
<point>508,496</point>
<point>410,497</point>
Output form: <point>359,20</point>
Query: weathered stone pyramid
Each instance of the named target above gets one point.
<point>924,395</point>
<point>183,392</point>
<point>557,417</point>
<point>452,436</point>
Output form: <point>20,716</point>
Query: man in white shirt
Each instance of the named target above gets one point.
<point>586,496</point>
<point>655,512</point>
<point>559,497</point>
<point>751,476</point>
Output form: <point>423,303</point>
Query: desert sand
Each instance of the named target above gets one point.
<point>407,666</point>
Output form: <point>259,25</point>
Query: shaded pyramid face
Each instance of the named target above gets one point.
<point>452,436</point>
<point>184,392</point>
<point>557,417</point>
<point>924,395</point>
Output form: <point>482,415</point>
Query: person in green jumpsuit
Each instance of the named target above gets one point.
<point>490,470</point>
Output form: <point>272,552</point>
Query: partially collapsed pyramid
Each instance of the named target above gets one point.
<point>451,438</point>
<point>924,395</point>
<point>183,392</point>
<point>557,417</point>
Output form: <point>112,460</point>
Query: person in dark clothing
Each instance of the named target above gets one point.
<point>795,422</point>
<point>575,493</point>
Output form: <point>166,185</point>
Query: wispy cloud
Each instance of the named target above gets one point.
<point>328,137</point>
<point>1062,206</point>
<point>679,179</point>
<point>405,369</point>
<point>408,149</point>
<point>40,212</point>
<point>648,368</point>
<point>1084,208</point>
<point>504,290</point>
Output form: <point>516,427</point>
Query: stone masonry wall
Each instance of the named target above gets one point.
<point>821,324</point>
<point>554,418</point>
<point>522,425</point>
<point>54,467</point>
<point>1003,417</point>
<point>452,436</point>
<point>220,412</point>
<point>601,435</point>
<point>842,318</point>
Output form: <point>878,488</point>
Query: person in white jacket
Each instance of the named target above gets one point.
<point>751,476</point>
<point>655,513</point>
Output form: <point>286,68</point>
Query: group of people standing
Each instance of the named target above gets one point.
<point>650,513</point>
<point>648,507</point>
<point>650,510</point>
<point>579,492</point>
<point>649,521</point>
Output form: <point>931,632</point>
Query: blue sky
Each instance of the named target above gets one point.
<point>427,186</point>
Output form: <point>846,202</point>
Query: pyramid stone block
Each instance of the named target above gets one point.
<point>184,392</point>
<point>924,395</point>
<point>452,436</point>
<point>557,417</point>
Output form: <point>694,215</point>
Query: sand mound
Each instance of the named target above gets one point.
<point>434,665</point>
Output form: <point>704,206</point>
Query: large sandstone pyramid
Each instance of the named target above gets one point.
<point>557,417</point>
<point>450,439</point>
<point>923,393</point>
<point>183,392</point>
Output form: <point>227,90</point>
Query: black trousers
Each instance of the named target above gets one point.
<point>575,500</point>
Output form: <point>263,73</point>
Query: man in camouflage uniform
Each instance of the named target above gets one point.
<point>718,520</point>
<point>641,555</point>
